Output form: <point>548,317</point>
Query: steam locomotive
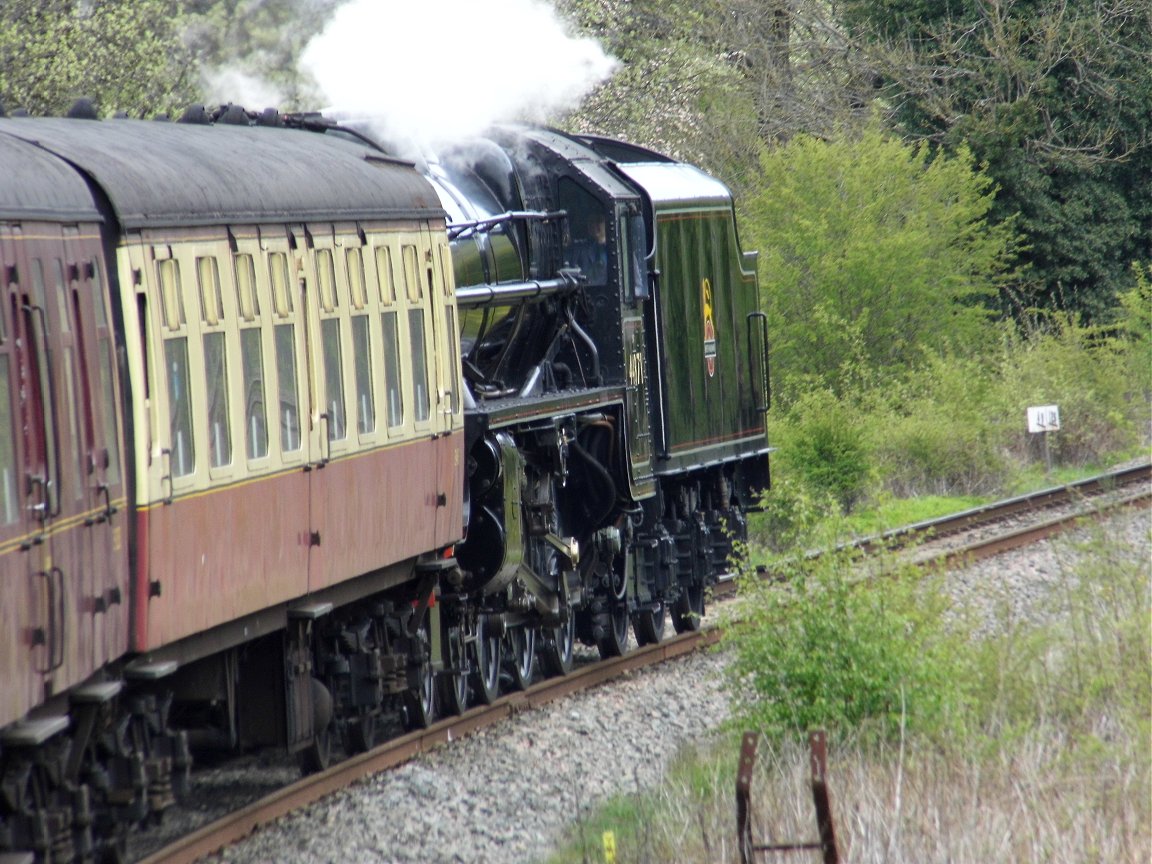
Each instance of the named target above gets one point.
<point>298,439</point>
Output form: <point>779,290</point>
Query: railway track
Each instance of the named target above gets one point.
<point>1096,497</point>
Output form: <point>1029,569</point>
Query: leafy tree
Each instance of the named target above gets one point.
<point>676,90</point>
<point>250,51</point>
<point>1054,96</point>
<point>125,55</point>
<point>870,251</point>
<point>803,70</point>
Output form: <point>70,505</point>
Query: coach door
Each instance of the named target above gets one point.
<point>55,412</point>
<point>446,396</point>
<point>100,495</point>
<point>23,526</point>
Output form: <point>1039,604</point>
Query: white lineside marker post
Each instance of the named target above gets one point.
<point>1043,419</point>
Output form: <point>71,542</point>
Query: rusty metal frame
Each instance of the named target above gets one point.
<point>818,765</point>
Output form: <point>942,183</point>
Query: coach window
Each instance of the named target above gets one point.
<point>412,283</point>
<point>211,302</point>
<point>419,363</point>
<point>450,334</point>
<point>361,346</point>
<point>247,301</point>
<point>215,363</point>
<point>386,280</point>
<point>284,338</point>
<point>74,401</point>
<point>326,275</point>
<point>330,348</point>
<point>176,366</point>
<point>252,352</point>
<point>416,339</point>
<point>393,383</point>
<point>44,432</point>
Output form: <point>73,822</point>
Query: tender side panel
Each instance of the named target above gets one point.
<point>704,299</point>
<point>300,428</point>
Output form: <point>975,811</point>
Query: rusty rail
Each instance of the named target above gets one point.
<point>818,765</point>
<point>234,827</point>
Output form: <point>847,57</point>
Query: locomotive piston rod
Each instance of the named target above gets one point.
<point>481,295</point>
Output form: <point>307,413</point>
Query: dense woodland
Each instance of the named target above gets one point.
<point>936,187</point>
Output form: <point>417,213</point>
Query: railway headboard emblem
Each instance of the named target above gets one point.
<point>709,328</point>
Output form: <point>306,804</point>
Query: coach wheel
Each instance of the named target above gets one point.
<point>520,647</point>
<point>317,756</point>
<point>420,701</point>
<point>486,656</point>
<point>454,680</point>
<point>648,624</point>
<point>688,612</point>
<point>556,647</point>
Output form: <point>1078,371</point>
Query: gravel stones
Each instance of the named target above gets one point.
<point>507,793</point>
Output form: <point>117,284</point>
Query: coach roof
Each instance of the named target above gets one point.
<point>168,174</point>
<point>37,185</point>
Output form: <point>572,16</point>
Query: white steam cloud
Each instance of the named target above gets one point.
<point>440,70</point>
<point>231,85</point>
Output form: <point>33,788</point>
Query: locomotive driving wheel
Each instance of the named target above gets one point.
<point>520,645</point>
<point>454,681</point>
<point>486,658</point>
<point>614,641</point>
<point>689,609</point>
<point>556,646</point>
<point>420,701</point>
<point>649,624</point>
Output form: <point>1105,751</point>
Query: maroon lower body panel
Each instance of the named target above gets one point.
<point>218,555</point>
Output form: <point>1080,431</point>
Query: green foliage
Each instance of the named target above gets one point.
<point>126,55</point>
<point>823,442</point>
<point>250,52</point>
<point>939,430</point>
<point>829,648</point>
<point>872,249</point>
<point>792,513</point>
<point>1054,97</point>
<point>1100,384</point>
<point>1135,311</point>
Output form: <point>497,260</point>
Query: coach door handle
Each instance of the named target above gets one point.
<point>53,637</point>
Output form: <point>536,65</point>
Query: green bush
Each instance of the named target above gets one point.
<point>822,441</point>
<point>938,431</point>
<point>825,648</point>
<point>790,514</point>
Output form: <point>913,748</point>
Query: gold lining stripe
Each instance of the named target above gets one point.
<point>56,528</point>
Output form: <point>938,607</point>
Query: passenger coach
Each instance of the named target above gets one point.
<point>226,409</point>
